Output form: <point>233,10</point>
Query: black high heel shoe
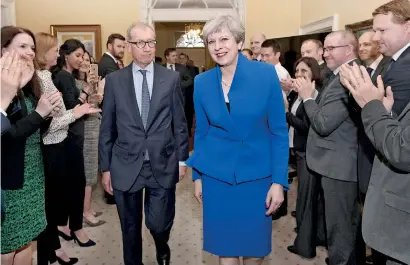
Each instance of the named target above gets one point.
<point>65,236</point>
<point>89,243</point>
<point>71,262</point>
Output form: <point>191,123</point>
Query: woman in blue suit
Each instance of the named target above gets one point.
<point>241,146</point>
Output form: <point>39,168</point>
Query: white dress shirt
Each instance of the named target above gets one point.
<point>138,78</point>
<point>375,64</point>
<point>400,52</point>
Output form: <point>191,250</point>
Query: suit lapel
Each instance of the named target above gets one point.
<point>156,95</point>
<point>132,97</point>
<point>381,68</point>
<point>404,112</point>
<point>221,99</point>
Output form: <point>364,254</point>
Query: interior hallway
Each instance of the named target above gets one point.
<point>186,236</point>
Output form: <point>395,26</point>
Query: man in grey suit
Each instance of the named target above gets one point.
<point>143,145</point>
<point>386,216</point>
<point>331,150</point>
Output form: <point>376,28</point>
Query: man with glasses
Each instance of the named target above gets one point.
<point>143,145</point>
<point>331,150</point>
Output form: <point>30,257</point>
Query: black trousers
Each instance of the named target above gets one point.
<point>309,210</point>
<point>159,207</point>
<point>342,213</point>
<point>72,187</point>
<point>55,173</point>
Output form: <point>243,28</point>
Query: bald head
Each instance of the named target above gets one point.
<point>256,43</point>
<point>340,47</point>
<point>346,38</point>
<point>368,48</point>
<point>135,27</point>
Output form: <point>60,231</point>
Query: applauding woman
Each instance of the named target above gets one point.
<point>54,151</point>
<point>241,152</point>
<point>21,158</point>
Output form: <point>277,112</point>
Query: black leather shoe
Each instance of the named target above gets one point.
<point>164,259</point>
<point>293,250</point>
<point>293,213</point>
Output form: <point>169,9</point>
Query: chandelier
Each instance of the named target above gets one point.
<point>192,37</point>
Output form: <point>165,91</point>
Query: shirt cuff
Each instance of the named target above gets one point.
<point>3,112</point>
<point>182,164</point>
<point>306,99</point>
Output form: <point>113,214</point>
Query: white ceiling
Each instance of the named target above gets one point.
<point>164,4</point>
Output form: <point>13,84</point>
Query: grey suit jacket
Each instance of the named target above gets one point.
<point>386,216</point>
<point>123,139</point>
<point>331,149</point>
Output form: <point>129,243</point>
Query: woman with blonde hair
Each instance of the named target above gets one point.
<point>241,144</point>
<point>54,149</point>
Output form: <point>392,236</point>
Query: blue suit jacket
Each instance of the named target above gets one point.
<point>251,141</point>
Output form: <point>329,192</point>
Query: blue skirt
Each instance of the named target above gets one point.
<point>234,220</point>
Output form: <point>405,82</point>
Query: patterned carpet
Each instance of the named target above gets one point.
<point>185,242</point>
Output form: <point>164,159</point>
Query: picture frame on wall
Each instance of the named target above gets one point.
<point>359,27</point>
<point>89,35</point>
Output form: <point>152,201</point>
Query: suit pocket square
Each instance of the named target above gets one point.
<point>399,203</point>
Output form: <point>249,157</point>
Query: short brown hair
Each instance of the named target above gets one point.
<point>274,44</point>
<point>113,37</point>
<point>44,42</point>
<point>318,43</point>
<point>399,8</point>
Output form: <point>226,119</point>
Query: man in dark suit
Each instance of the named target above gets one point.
<point>189,92</point>
<point>386,216</point>
<point>376,64</point>
<point>111,60</point>
<point>171,57</point>
<point>332,149</point>
<point>143,136</point>
<point>391,26</point>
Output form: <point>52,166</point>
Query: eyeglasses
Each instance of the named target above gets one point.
<point>141,44</point>
<point>331,48</point>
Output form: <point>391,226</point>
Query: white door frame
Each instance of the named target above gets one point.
<point>8,13</point>
<point>323,25</point>
<point>149,15</point>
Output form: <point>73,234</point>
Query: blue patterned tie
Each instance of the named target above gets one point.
<point>145,103</point>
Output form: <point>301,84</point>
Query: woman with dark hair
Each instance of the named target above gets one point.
<point>307,207</point>
<point>83,79</point>
<point>22,164</point>
<point>73,186</point>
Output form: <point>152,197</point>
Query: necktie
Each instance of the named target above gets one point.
<point>145,102</point>
<point>389,66</point>
<point>369,71</point>
<point>172,67</point>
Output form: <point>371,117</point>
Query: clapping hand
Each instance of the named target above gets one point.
<point>305,87</point>
<point>357,80</point>
<point>287,84</point>
<point>49,103</point>
<point>11,66</point>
